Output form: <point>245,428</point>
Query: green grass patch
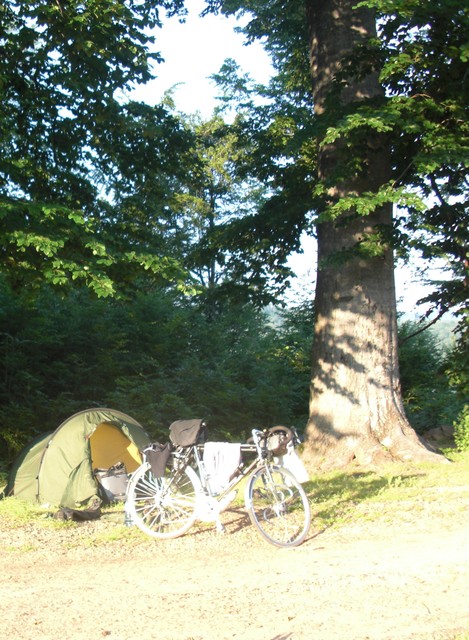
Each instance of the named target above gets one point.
<point>16,512</point>
<point>392,489</point>
<point>118,534</point>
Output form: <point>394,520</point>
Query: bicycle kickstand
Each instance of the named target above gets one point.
<point>220,525</point>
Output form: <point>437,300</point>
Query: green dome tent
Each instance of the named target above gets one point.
<point>56,468</point>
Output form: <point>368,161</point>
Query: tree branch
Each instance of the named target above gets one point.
<point>424,328</point>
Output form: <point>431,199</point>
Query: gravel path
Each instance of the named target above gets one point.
<point>402,577</point>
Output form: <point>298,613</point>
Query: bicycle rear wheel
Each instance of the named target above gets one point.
<point>163,507</point>
<point>277,506</point>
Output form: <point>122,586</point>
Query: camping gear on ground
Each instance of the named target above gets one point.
<point>113,482</point>
<point>57,468</point>
<point>78,515</point>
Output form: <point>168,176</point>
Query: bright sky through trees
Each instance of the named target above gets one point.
<point>193,51</point>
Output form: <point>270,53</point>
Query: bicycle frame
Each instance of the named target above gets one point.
<point>261,457</point>
<point>168,506</point>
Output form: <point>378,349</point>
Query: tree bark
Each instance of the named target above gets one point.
<point>356,410</point>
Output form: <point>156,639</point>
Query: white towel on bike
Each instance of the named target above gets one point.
<point>221,459</point>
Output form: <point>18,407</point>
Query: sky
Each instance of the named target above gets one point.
<point>193,51</point>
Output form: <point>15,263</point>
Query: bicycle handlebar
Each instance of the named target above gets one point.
<point>261,439</point>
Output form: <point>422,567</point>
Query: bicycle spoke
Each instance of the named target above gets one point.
<point>163,507</point>
<point>278,507</point>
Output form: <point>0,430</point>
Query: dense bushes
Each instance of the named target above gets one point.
<point>428,361</point>
<point>461,430</point>
<point>424,387</point>
<point>156,357</point>
<point>159,357</point>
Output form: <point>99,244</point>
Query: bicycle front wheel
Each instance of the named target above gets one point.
<point>277,506</point>
<point>163,507</point>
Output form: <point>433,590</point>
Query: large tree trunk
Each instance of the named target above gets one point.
<point>356,410</point>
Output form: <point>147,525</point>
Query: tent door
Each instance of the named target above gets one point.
<point>110,446</point>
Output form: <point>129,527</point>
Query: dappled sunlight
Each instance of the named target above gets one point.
<point>334,497</point>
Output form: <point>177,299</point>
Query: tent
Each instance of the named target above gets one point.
<point>56,468</point>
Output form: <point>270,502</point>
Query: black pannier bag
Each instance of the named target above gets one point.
<point>157,455</point>
<point>184,433</point>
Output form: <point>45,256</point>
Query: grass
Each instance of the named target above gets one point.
<point>17,512</point>
<point>394,492</point>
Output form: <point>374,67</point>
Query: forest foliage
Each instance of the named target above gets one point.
<point>160,358</point>
<point>141,249</point>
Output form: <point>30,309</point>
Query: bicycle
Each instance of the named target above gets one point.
<point>166,503</point>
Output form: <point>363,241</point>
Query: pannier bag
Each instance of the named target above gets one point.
<point>184,433</point>
<point>157,455</point>
<point>292,461</point>
<point>113,481</point>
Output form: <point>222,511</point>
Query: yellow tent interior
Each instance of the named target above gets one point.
<point>110,446</point>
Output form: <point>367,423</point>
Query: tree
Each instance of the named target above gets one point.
<point>64,138</point>
<point>365,138</point>
<point>212,193</point>
<point>424,62</point>
<point>356,409</point>
<point>220,193</point>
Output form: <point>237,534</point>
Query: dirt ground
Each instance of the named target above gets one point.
<point>389,576</point>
